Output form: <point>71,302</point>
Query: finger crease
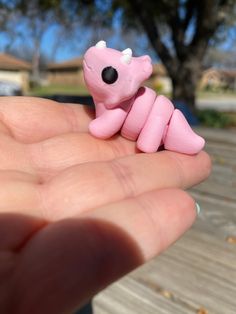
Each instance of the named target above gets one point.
<point>125,177</point>
<point>180,172</point>
<point>71,118</point>
<point>148,207</point>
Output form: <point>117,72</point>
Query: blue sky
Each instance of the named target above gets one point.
<point>140,45</point>
<point>86,37</point>
<point>76,44</point>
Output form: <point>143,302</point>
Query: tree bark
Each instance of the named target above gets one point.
<point>35,63</point>
<point>184,90</point>
<point>185,80</point>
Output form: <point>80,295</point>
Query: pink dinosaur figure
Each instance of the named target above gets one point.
<point>114,79</point>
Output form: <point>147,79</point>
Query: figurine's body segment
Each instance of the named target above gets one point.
<point>114,79</point>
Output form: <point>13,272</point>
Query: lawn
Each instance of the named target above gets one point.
<point>216,94</point>
<point>210,118</point>
<point>58,90</point>
<point>81,90</point>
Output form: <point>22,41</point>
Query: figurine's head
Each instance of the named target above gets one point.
<point>113,76</point>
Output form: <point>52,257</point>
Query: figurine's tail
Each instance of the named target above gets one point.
<point>179,136</point>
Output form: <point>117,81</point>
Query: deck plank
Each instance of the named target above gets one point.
<point>191,275</point>
<point>124,297</point>
<point>198,273</point>
<point>218,216</point>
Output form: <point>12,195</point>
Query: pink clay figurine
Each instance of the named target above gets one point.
<point>114,79</point>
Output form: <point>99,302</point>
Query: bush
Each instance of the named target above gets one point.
<point>215,119</point>
<point>158,87</point>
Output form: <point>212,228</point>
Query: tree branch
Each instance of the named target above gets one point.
<point>152,31</point>
<point>190,6</point>
<point>177,31</point>
<point>206,25</point>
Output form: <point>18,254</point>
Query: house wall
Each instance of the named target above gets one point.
<point>25,81</point>
<point>210,78</point>
<point>66,77</point>
<point>12,76</point>
<point>218,79</point>
<point>18,77</point>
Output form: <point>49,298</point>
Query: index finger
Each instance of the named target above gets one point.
<point>92,184</point>
<point>32,119</point>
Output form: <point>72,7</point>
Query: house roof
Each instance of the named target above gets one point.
<point>231,73</point>
<point>8,62</point>
<point>69,64</point>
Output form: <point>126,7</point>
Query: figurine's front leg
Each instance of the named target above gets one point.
<point>108,123</point>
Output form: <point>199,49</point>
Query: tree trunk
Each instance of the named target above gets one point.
<point>183,93</point>
<point>35,64</point>
<point>184,90</point>
<point>185,80</point>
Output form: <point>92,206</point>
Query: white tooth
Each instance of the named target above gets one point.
<point>127,51</point>
<point>101,44</point>
<point>126,58</point>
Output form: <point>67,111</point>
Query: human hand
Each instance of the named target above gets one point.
<point>77,213</point>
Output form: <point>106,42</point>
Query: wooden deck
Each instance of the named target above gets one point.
<point>198,273</point>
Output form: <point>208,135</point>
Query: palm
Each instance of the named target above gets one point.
<point>77,212</point>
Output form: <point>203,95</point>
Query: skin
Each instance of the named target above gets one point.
<point>77,213</point>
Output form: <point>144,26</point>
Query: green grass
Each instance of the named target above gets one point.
<point>81,90</point>
<point>208,117</point>
<point>215,119</point>
<point>58,90</point>
<point>216,94</point>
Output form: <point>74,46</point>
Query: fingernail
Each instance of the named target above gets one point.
<point>198,208</point>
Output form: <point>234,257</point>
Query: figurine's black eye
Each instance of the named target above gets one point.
<point>109,75</point>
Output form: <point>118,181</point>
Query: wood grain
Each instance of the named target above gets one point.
<point>198,273</point>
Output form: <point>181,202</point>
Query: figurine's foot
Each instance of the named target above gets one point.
<point>180,137</point>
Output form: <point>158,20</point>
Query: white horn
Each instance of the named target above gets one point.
<point>127,51</point>
<point>126,58</point>
<point>101,44</point>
